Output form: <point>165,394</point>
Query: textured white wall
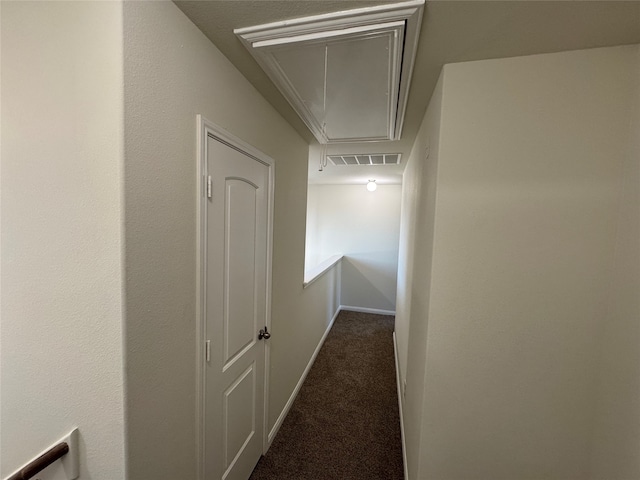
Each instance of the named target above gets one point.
<point>173,72</point>
<point>410,189</point>
<point>313,255</point>
<point>616,441</point>
<point>363,226</point>
<point>61,232</point>
<point>528,187</point>
<point>414,272</point>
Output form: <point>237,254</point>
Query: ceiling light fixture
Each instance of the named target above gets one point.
<point>371,186</point>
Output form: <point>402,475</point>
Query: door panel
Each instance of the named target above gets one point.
<point>235,310</point>
<point>239,427</point>
<point>240,325</point>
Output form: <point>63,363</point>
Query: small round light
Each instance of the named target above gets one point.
<point>371,186</point>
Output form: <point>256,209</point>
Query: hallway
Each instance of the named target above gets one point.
<point>516,299</point>
<point>344,422</point>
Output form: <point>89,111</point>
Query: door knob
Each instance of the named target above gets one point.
<point>264,334</point>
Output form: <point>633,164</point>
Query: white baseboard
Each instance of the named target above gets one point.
<point>367,310</point>
<point>294,394</point>
<point>404,445</point>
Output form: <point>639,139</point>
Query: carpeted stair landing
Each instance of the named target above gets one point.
<point>344,424</point>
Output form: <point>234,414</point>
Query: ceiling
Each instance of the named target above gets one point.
<point>452,31</point>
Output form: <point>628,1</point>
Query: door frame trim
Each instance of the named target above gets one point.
<point>205,128</point>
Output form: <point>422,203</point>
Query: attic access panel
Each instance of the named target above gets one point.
<point>347,73</point>
<point>356,97</point>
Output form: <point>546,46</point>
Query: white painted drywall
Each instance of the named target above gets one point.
<point>516,296</point>
<point>173,72</point>
<point>62,154</point>
<point>363,226</point>
<point>616,441</point>
<point>410,188</point>
<point>414,272</point>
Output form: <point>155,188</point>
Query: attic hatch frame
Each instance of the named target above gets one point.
<point>396,19</point>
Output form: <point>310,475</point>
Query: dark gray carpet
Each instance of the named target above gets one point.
<point>344,423</point>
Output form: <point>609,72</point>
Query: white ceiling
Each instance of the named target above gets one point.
<point>452,31</point>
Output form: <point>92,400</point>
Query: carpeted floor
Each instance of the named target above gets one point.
<point>344,423</point>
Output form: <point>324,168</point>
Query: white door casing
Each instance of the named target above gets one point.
<point>235,232</point>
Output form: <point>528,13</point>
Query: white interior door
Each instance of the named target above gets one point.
<point>235,310</point>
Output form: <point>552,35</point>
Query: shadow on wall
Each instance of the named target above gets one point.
<point>369,280</point>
